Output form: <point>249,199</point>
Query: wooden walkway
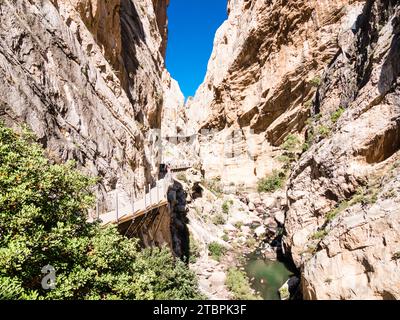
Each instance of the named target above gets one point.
<point>156,198</point>
<point>181,166</point>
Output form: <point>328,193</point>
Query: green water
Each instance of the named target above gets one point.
<point>268,276</point>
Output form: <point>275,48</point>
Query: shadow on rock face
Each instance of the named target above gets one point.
<point>179,221</point>
<point>391,67</point>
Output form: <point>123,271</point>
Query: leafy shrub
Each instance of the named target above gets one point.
<point>324,131</point>
<point>218,219</point>
<point>316,81</point>
<point>335,116</point>
<point>284,159</point>
<point>311,249</point>
<point>182,177</point>
<point>319,235</point>
<point>363,195</point>
<point>291,146</point>
<point>291,143</point>
<point>238,284</point>
<point>226,206</point>
<point>216,250</point>
<point>311,131</point>
<point>225,237</point>
<point>284,293</point>
<point>331,215</point>
<point>43,213</point>
<point>251,242</point>
<point>390,194</point>
<point>214,185</point>
<point>310,139</point>
<point>309,103</point>
<point>238,224</point>
<point>194,250</point>
<point>272,183</point>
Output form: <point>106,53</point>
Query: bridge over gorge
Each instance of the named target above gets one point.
<point>147,218</point>
<point>148,215</point>
<point>154,198</point>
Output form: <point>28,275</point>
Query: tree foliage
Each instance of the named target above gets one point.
<point>273,182</point>
<point>43,211</point>
<point>239,285</point>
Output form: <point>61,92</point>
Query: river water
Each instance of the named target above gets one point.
<point>266,276</point>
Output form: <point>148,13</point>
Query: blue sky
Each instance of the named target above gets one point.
<point>192,25</point>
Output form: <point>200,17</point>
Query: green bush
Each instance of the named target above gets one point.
<point>194,250</point>
<point>390,194</point>
<point>216,250</point>
<point>309,141</point>
<point>311,132</point>
<point>182,177</point>
<point>335,116</point>
<point>316,81</point>
<point>251,242</point>
<point>214,185</point>
<point>363,195</point>
<point>324,131</point>
<point>284,293</point>
<point>225,207</point>
<point>43,213</point>
<point>218,219</point>
<point>319,235</point>
<point>238,284</point>
<point>309,103</point>
<point>286,160</point>
<point>331,215</point>
<point>238,224</point>
<point>272,183</point>
<point>291,143</point>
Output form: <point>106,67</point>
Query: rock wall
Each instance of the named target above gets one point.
<point>173,114</point>
<point>86,77</point>
<point>179,143</point>
<point>327,72</point>
<point>263,72</point>
<point>342,224</point>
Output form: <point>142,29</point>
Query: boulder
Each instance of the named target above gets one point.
<point>260,231</point>
<point>217,279</point>
<point>280,217</point>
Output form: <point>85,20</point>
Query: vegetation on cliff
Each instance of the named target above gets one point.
<point>43,212</point>
<point>239,285</point>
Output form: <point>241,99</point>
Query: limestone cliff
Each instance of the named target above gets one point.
<point>86,77</point>
<point>342,224</point>
<point>328,73</point>
<point>263,72</point>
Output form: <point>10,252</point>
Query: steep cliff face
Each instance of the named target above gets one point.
<point>344,203</point>
<point>86,77</point>
<point>327,72</point>
<point>263,72</point>
<point>173,114</point>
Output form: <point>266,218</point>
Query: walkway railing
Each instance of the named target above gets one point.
<point>155,198</point>
<point>181,165</point>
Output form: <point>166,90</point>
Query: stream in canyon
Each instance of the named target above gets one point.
<point>267,276</point>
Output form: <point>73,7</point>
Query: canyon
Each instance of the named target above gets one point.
<point>306,92</point>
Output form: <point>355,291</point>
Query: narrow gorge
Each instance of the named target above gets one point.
<point>279,179</point>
